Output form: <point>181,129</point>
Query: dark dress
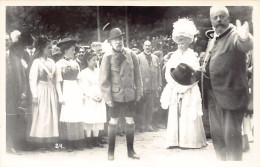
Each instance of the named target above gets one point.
<point>16,107</point>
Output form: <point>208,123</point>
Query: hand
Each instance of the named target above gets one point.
<point>98,99</point>
<point>110,104</point>
<point>138,98</point>
<point>61,100</point>
<point>180,95</point>
<point>243,31</point>
<point>23,96</point>
<point>159,88</point>
<point>35,100</point>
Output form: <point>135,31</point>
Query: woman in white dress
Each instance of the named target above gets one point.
<point>187,130</point>
<point>44,128</point>
<point>94,106</point>
<point>70,97</point>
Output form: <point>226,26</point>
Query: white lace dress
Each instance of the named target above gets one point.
<point>94,112</point>
<point>186,131</point>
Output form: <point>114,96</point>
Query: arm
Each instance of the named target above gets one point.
<point>104,79</point>
<point>243,40</point>
<point>159,76</point>
<point>33,78</point>
<point>137,77</point>
<point>85,85</point>
<point>243,45</point>
<point>59,79</point>
<point>15,63</point>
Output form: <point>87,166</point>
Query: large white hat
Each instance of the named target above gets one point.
<point>184,27</point>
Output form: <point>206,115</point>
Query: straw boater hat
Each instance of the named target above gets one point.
<point>184,27</point>
<point>185,75</point>
<point>114,33</point>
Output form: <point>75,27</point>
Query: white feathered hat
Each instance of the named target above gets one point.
<point>184,27</point>
<point>15,35</point>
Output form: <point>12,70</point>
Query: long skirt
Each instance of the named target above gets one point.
<point>186,130</point>
<point>71,115</point>
<point>45,114</point>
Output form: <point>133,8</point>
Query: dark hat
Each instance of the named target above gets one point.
<point>25,39</point>
<point>41,42</point>
<point>114,33</point>
<point>184,74</point>
<point>66,40</point>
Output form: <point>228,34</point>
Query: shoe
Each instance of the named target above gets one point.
<point>78,145</point>
<point>172,147</point>
<point>69,146</point>
<point>96,143</point>
<point>129,131</point>
<point>133,155</point>
<point>103,140</point>
<point>14,151</point>
<point>155,128</point>
<point>112,131</point>
<point>44,150</point>
<point>149,128</point>
<point>70,150</point>
<point>161,126</point>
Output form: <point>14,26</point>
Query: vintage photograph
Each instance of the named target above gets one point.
<point>128,85</point>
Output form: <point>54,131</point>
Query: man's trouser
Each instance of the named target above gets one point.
<point>225,127</point>
<point>147,107</point>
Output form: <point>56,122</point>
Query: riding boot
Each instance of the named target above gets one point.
<point>129,131</point>
<point>112,131</point>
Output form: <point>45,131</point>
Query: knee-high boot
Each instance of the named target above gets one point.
<point>112,131</point>
<point>129,131</point>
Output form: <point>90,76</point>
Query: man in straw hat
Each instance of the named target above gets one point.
<point>225,82</point>
<point>121,86</point>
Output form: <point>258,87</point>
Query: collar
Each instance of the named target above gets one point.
<point>218,36</point>
<point>68,59</point>
<point>117,51</point>
<point>78,60</point>
<point>147,54</point>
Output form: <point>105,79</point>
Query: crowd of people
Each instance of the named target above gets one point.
<point>60,95</point>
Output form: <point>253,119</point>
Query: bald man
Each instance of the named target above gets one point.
<point>152,84</point>
<point>224,82</point>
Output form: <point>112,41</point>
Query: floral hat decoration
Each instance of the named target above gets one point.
<point>184,27</point>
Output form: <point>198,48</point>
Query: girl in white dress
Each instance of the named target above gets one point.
<point>94,106</point>
<point>187,130</point>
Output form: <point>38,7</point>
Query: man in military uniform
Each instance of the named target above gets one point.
<point>121,86</point>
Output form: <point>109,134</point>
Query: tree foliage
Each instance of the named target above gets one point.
<point>81,21</point>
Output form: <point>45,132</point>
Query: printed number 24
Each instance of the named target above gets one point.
<point>58,145</point>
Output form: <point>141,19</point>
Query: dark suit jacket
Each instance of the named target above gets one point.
<point>120,77</point>
<point>228,70</point>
